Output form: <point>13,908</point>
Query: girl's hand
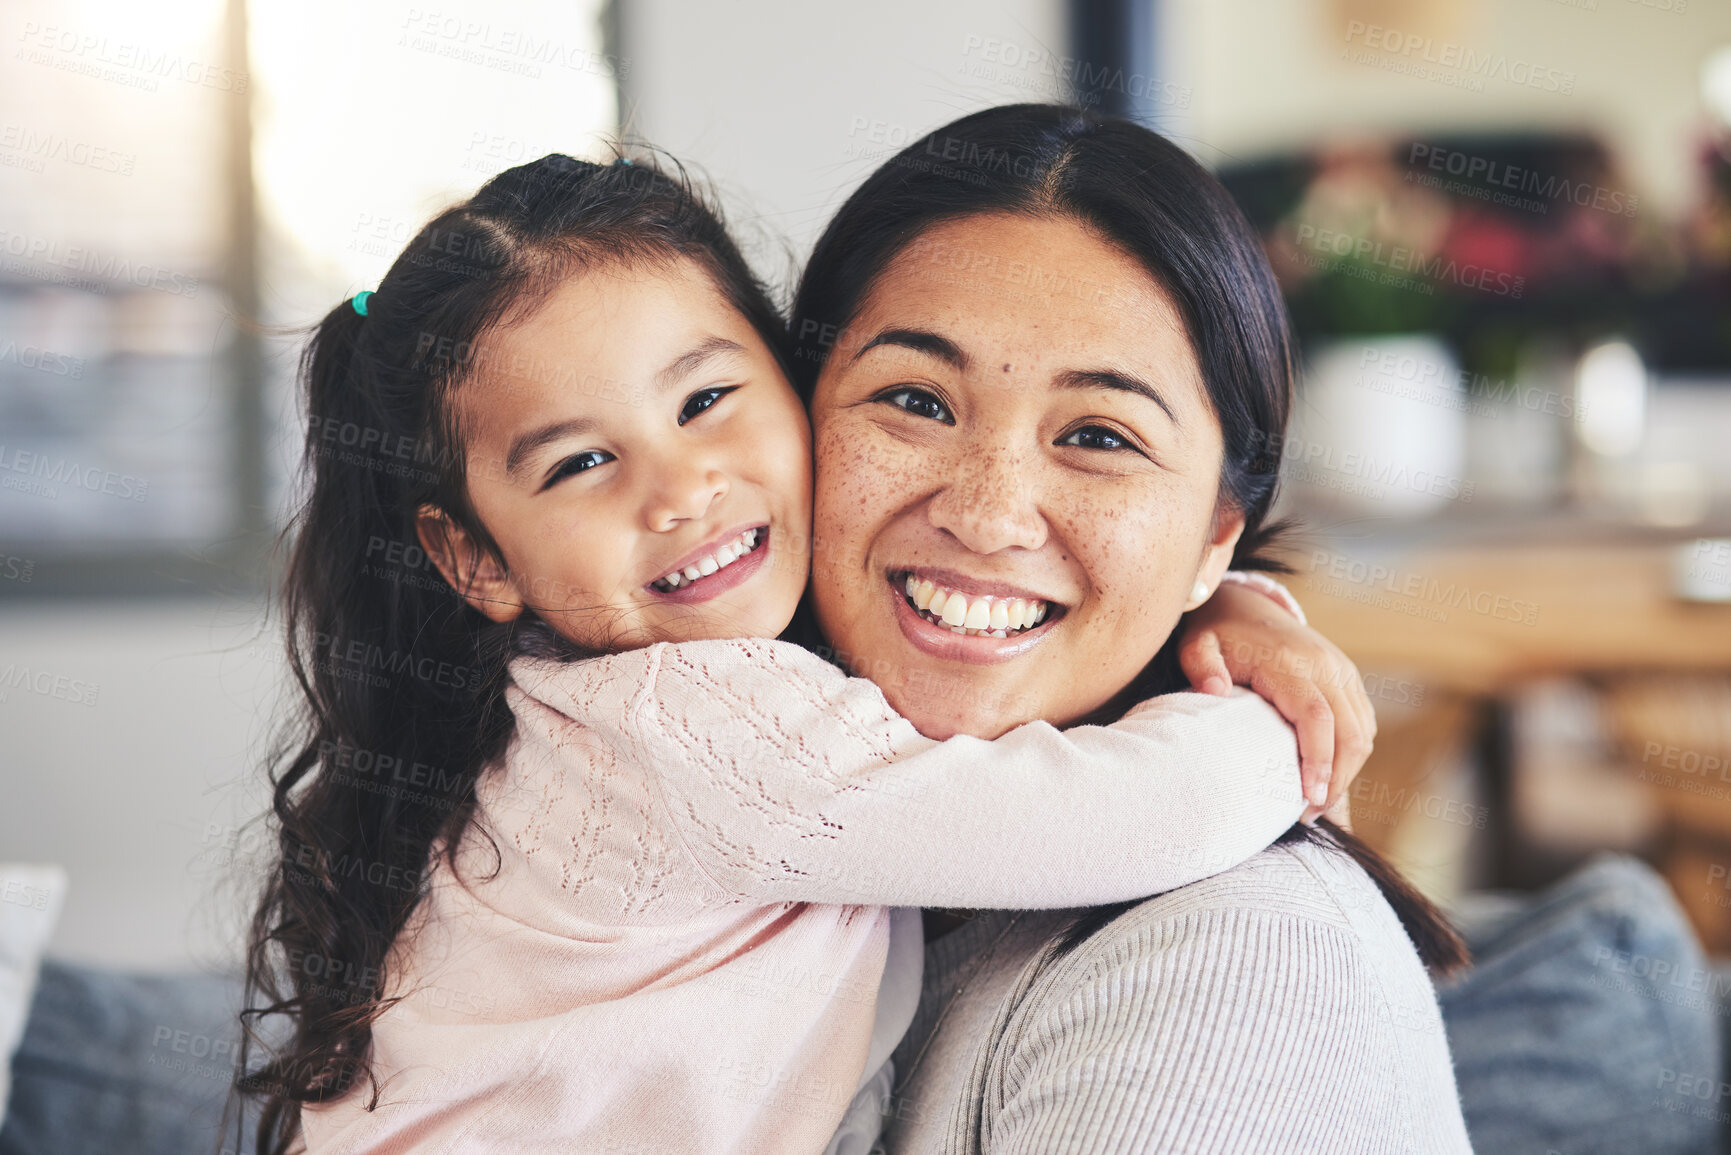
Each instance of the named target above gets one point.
<point>1242,636</point>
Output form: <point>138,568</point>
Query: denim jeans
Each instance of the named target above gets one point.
<point>1589,1023</point>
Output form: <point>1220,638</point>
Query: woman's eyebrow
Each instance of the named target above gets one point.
<point>687,363</point>
<point>1112,379</point>
<point>920,341</point>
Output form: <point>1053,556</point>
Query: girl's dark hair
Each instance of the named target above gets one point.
<point>1153,201</point>
<point>401,681</point>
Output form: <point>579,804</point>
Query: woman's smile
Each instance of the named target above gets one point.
<point>963,619</point>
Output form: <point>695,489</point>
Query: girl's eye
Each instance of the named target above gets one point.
<point>1096,437</point>
<point>919,402</point>
<point>578,463</point>
<point>701,400</point>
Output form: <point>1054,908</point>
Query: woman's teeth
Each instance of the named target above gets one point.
<point>977,617</point>
<point>703,567</point>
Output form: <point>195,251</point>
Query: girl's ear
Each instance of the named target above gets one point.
<point>1216,556</point>
<point>471,569</point>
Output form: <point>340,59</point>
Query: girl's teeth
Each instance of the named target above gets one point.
<point>721,559</point>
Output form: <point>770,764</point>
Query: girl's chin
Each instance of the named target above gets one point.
<point>731,616</point>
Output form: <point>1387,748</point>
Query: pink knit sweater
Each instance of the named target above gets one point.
<point>678,942</point>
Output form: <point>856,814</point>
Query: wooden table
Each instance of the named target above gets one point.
<point>1593,608</point>
<point>1464,622</point>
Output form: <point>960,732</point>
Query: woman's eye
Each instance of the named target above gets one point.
<point>920,403</point>
<point>701,400</point>
<point>1096,437</point>
<point>578,463</point>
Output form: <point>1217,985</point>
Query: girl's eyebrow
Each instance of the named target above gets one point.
<point>524,445</point>
<point>686,363</point>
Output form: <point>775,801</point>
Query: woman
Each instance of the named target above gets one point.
<point>1043,351</point>
<point>1046,354</point>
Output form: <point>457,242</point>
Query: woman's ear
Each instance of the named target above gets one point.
<point>470,568</point>
<point>1216,556</point>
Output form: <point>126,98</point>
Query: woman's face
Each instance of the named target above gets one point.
<point>1012,429</point>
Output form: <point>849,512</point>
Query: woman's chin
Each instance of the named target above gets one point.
<point>922,701</point>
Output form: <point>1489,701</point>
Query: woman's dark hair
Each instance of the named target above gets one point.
<point>1148,197</point>
<point>402,681</point>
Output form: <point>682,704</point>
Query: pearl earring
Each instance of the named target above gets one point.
<point>1199,592</point>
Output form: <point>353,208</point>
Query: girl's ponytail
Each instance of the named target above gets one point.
<point>401,681</point>
<point>401,706</point>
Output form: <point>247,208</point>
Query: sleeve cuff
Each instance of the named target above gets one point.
<point>1267,586</point>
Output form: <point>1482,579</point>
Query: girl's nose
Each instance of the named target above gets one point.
<point>683,491</point>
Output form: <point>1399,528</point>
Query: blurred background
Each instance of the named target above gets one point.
<point>1504,227</point>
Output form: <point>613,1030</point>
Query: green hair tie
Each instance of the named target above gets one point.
<point>359,301</point>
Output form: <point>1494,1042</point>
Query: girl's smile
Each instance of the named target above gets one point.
<point>713,569</point>
<point>672,507</point>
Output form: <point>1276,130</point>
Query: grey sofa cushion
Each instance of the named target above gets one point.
<point>113,1062</point>
<point>1589,1023</point>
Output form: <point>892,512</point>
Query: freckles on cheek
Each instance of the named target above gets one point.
<point>851,468</point>
<point>1114,541</point>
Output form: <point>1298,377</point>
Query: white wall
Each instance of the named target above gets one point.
<point>780,100</point>
<point>789,105</point>
<point>1277,75</point>
<point>135,776</point>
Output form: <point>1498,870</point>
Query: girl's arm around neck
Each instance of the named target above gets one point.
<point>789,782</point>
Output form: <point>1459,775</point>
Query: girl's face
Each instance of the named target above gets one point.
<point>641,462</point>
<point>1013,426</point>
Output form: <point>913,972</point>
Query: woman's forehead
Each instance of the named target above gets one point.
<point>1035,289</point>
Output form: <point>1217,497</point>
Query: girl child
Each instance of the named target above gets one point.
<point>579,860</point>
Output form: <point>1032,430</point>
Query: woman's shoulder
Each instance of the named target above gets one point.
<point>1301,880</point>
<point>1286,974</point>
<point>1299,885</point>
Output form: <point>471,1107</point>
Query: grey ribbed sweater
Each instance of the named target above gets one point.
<point>1276,1007</point>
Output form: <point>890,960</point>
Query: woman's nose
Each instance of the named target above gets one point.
<point>989,504</point>
<point>683,490</point>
